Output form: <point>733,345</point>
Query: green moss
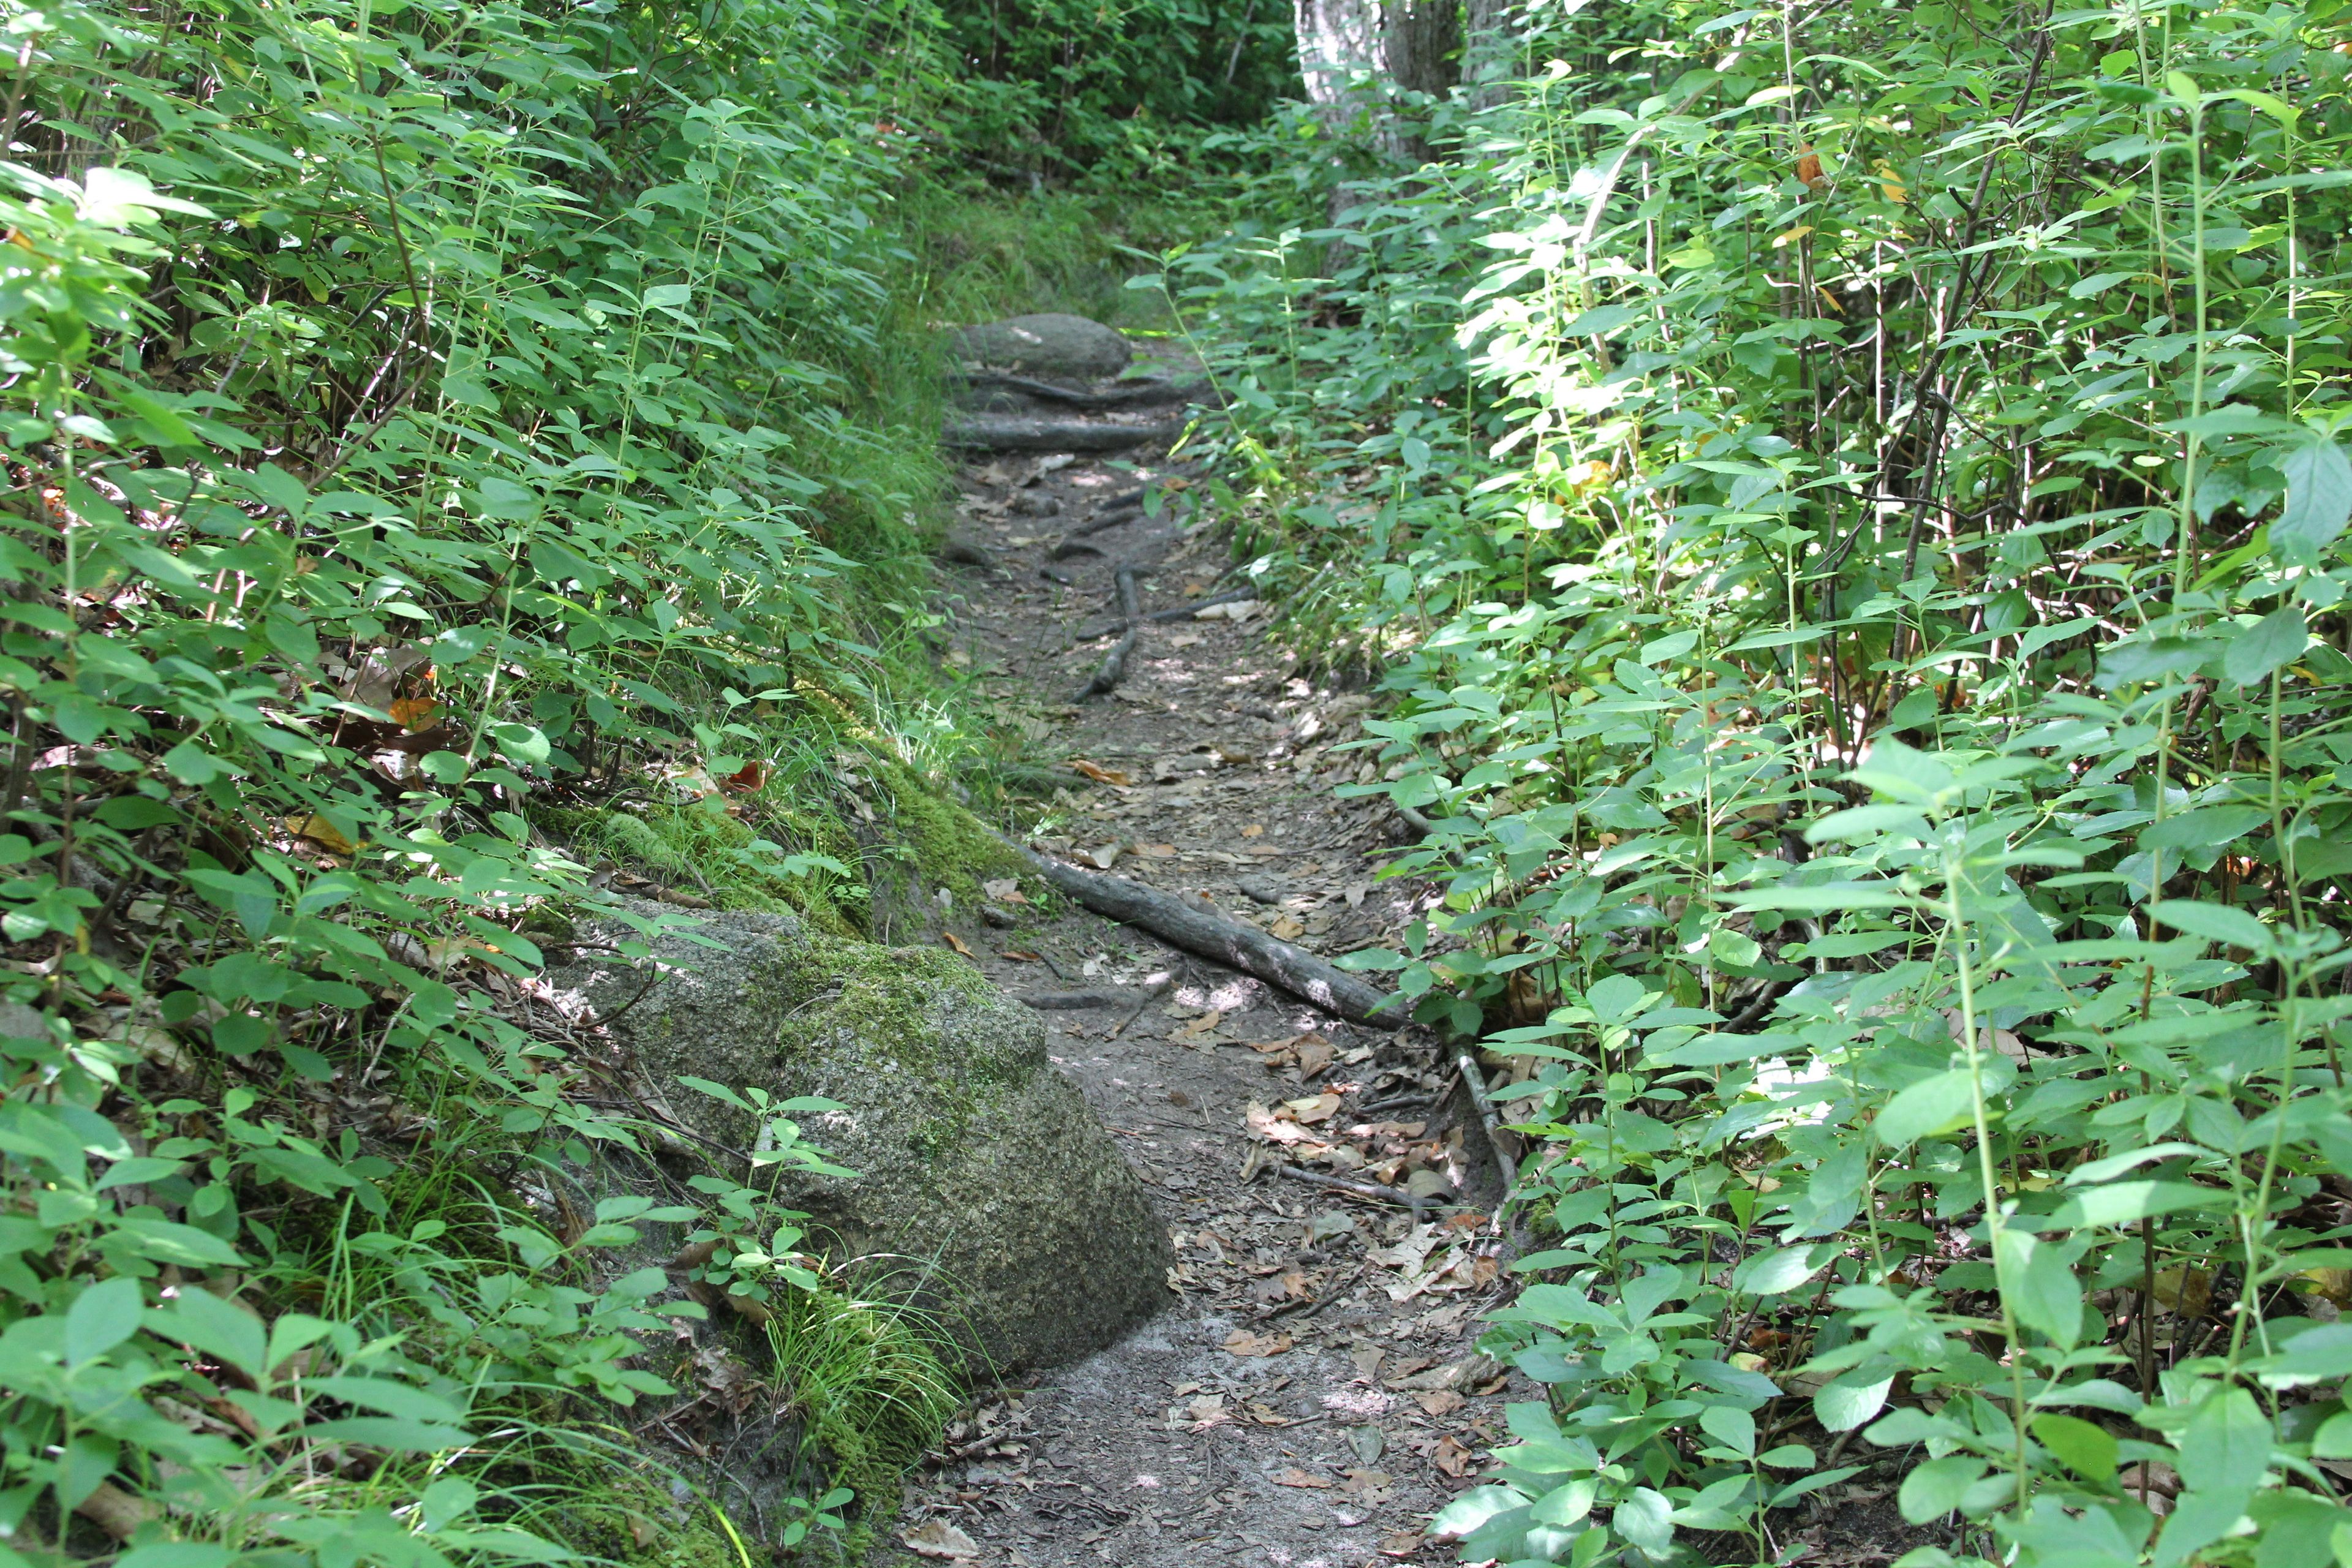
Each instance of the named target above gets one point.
<point>630,1516</point>
<point>695,849</point>
<point>949,846</point>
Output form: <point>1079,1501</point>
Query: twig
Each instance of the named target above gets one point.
<point>1359,1189</point>
<point>1113,668</point>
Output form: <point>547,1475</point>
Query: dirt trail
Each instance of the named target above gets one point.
<point>1313,1391</point>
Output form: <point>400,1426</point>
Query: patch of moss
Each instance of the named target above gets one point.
<point>693,848</point>
<point>887,998</point>
<point>632,1517</point>
<point>949,846</point>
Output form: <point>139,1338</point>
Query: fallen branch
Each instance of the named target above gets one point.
<point>1104,627</point>
<point>1474,1082</point>
<point>1360,1189</point>
<point>1072,1001</point>
<point>1014,435</point>
<point>1109,517</point>
<point>1113,668</point>
<point>1198,927</point>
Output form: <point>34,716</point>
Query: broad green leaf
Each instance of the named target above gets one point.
<point>102,1317</point>
<point>1852,1398</point>
<point>2318,502</point>
<point>2276,640</point>
<point>2088,1450</point>
<point>2039,1287</point>
<point>1937,1103</point>
<point>1934,1488</point>
<point>2226,1447</point>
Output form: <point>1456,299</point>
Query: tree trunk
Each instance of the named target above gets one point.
<point>1338,44</point>
<point>1422,44</point>
<point>1486,49</point>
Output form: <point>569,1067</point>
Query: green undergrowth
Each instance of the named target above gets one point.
<point>1849,510</point>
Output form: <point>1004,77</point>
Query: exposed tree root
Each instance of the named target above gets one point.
<point>994,432</point>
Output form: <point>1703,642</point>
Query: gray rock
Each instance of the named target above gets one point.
<point>983,1181</point>
<point>1070,350</point>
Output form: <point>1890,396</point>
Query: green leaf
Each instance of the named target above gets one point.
<point>1645,1518</point>
<point>102,1318</point>
<point>2126,1203</point>
<point>2226,1449</point>
<point>2214,922</point>
<point>391,1432</point>
<point>2276,640</point>
<point>2041,1287</point>
<point>1780,1272</point>
<point>2318,502</point>
<point>1937,1103</point>
<point>1935,1488</point>
<point>1852,1398</point>
<point>1894,769</point>
<point>2088,1450</point>
<point>1731,1426</point>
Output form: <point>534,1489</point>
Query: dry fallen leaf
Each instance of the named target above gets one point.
<point>414,712</point>
<point>1020,955</point>
<point>1452,1457</point>
<point>1295,1476</point>
<point>1243,1343</point>
<point>1101,859</point>
<point>320,832</point>
<point>1287,928</point>
<point>1440,1402</point>
<point>1157,851</point>
<point>1101,774</point>
<point>1401,1543</point>
<point>955,942</point>
<point>1208,1410</point>
<point>1254,830</point>
<point>939,1539</point>
<point>1004,890</point>
<point>1200,1028</point>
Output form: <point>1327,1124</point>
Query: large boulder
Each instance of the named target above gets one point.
<point>979,1170</point>
<point>1068,350</point>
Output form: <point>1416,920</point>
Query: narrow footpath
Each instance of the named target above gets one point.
<point>1313,1391</point>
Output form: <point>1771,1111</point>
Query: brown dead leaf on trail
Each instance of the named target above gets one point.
<point>1157,851</point>
<point>1004,890</point>
<point>955,942</point>
<point>1266,1415</point>
<point>1442,1402</point>
<point>1287,928</point>
<point>1101,858</point>
<point>1019,955</point>
<point>1318,1109</point>
<point>1243,1343</point>
<point>1199,1028</point>
<point>1295,1476</point>
<point>1452,1457</point>
<point>1208,1410</point>
<point>1101,774</point>
<point>1401,1543</point>
<point>941,1540</point>
<point>1254,830</point>
<point>1312,1053</point>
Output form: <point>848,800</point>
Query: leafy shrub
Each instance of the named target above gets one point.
<point>1850,509</point>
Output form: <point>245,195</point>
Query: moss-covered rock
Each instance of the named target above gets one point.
<point>980,1175</point>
